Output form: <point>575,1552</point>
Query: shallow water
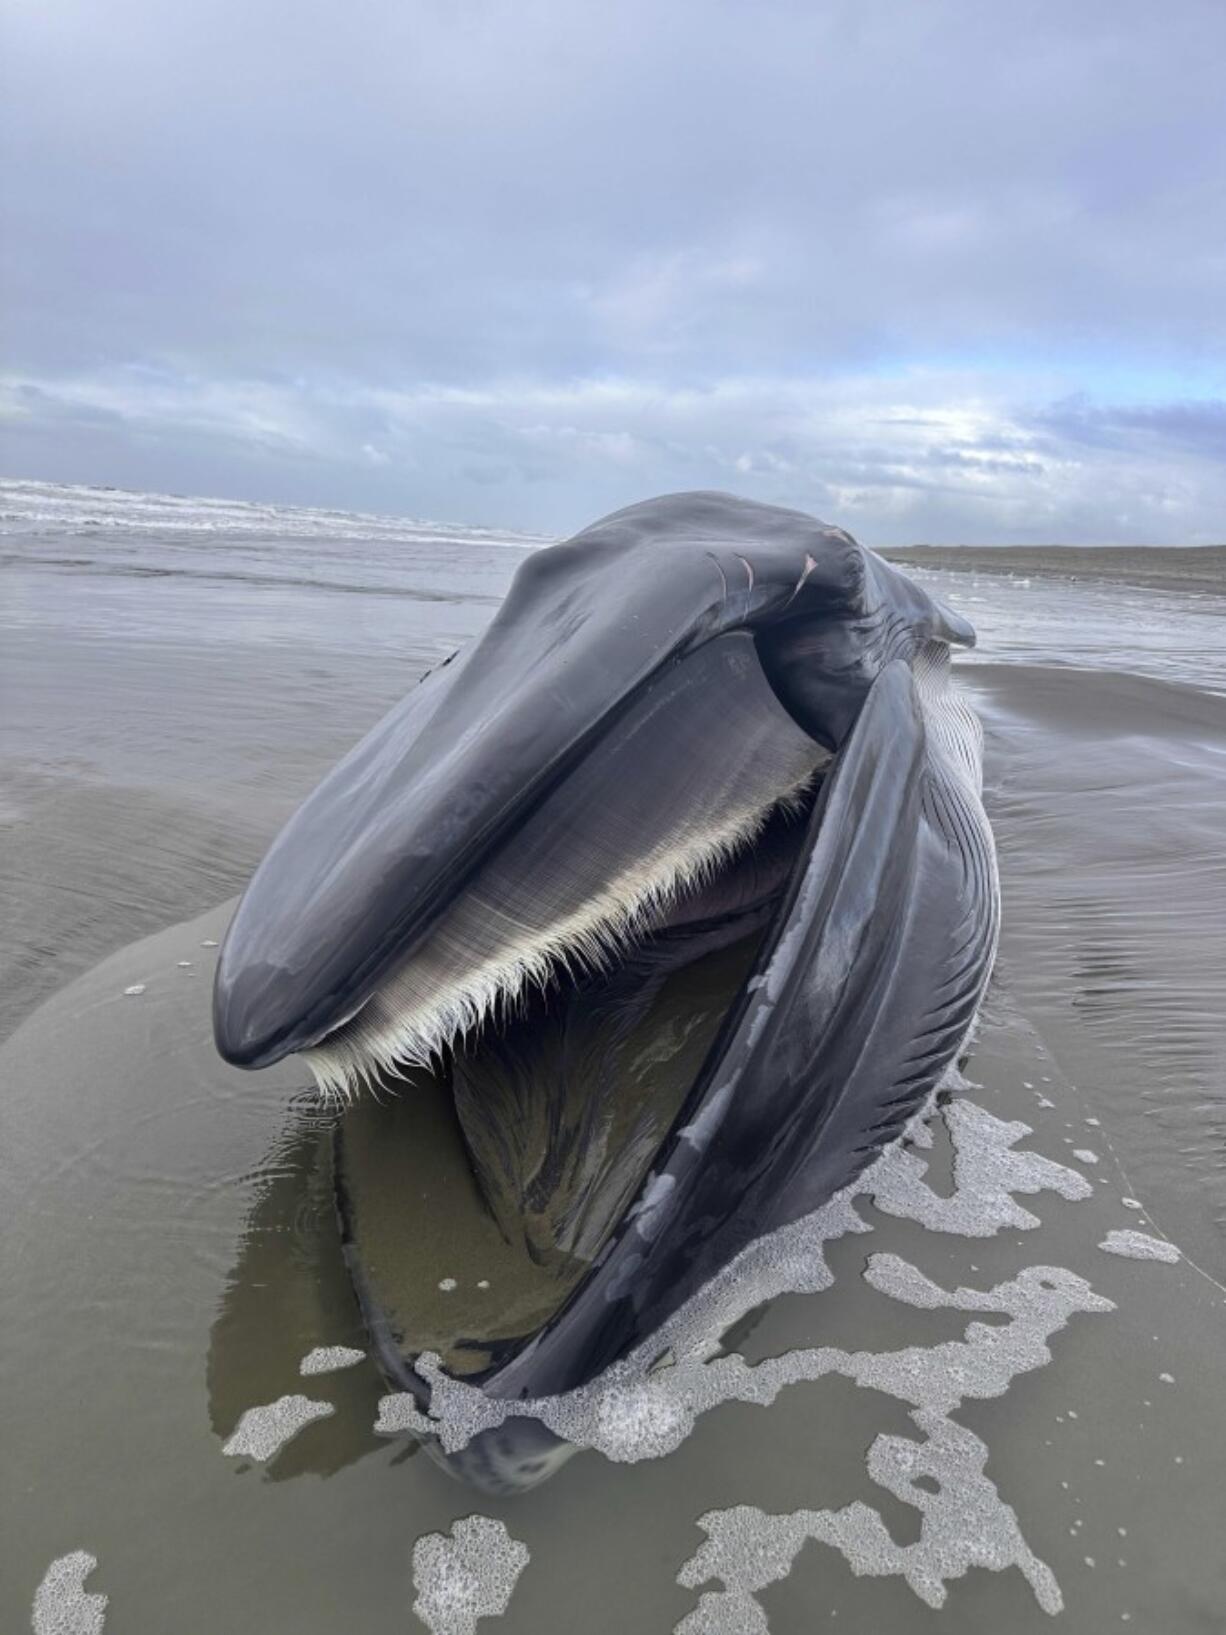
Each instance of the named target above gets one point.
<point>1166,634</point>
<point>170,1253</point>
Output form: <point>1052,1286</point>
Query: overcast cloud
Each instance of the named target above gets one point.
<point>935,271</point>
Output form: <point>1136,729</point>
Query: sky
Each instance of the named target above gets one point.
<point>932,270</point>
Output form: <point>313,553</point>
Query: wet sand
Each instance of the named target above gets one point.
<point>198,1263</point>
<point>171,1252</point>
<point>143,781</point>
<point>1106,794</point>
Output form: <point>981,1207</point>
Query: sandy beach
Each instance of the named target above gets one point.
<point>172,1253</point>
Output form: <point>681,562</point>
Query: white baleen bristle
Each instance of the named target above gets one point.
<point>372,1048</point>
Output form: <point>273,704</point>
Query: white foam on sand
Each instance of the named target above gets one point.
<point>62,1605</point>
<point>964,1521</point>
<point>637,1411</point>
<point>965,1524</point>
<point>328,1359</point>
<point>632,1412</point>
<point>987,1173</point>
<point>264,1431</point>
<point>1139,1246</point>
<point>468,1575</point>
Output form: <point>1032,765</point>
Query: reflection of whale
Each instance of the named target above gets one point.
<point>288,1283</point>
<point>661,907</point>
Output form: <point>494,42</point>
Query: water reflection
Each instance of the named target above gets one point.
<point>289,1291</point>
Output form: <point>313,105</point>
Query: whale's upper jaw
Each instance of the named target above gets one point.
<point>390,839</point>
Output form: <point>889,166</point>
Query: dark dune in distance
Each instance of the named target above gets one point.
<point>1161,567</point>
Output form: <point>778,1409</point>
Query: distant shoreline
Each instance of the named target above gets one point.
<point>1156,567</point>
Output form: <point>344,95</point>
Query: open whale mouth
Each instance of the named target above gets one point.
<point>553,1023</point>
<point>677,821</point>
<point>657,910</point>
<point>543,1036</point>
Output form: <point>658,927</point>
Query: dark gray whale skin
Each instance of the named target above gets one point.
<point>361,871</point>
<point>874,964</point>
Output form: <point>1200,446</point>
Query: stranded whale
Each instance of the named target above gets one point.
<point>659,910</point>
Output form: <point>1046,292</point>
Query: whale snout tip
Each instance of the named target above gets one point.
<point>247,1027</point>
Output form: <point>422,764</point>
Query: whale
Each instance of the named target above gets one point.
<point>631,935</point>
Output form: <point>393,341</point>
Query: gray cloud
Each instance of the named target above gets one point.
<point>944,270</point>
